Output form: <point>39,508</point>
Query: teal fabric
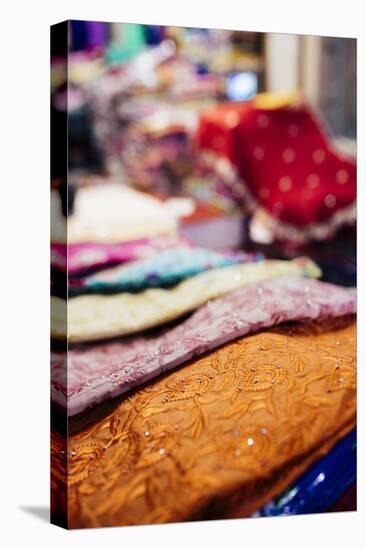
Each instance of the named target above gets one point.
<point>133,42</point>
<point>164,269</point>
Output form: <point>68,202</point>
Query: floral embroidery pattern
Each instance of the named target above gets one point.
<point>216,432</point>
<point>108,370</point>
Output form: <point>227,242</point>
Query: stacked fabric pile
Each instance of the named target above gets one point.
<point>145,112</point>
<point>197,385</point>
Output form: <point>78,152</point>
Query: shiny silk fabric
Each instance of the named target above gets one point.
<point>219,437</point>
<point>94,317</point>
<point>90,375</point>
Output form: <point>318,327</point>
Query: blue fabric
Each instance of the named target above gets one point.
<point>166,268</point>
<point>321,486</point>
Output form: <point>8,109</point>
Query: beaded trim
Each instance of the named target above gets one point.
<point>281,230</point>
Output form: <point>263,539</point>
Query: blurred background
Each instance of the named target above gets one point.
<point>140,100</point>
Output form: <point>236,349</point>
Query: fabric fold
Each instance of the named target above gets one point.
<point>95,317</point>
<point>166,268</point>
<point>227,432</point>
<point>300,186</point>
<point>75,258</point>
<point>110,369</point>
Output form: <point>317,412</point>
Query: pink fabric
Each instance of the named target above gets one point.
<point>77,257</point>
<point>108,370</point>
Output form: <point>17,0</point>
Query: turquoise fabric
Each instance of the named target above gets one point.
<point>133,42</point>
<point>166,268</point>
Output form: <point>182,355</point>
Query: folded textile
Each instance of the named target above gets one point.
<point>111,213</point>
<point>164,269</point>
<point>238,425</point>
<point>279,158</point>
<point>85,256</point>
<point>107,370</point>
<point>96,317</point>
<point>321,486</point>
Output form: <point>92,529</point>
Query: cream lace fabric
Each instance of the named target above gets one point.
<point>95,317</point>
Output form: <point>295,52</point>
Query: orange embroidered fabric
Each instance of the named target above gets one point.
<point>218,437</point>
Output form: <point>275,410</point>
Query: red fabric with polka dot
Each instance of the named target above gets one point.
<point>284,158</point>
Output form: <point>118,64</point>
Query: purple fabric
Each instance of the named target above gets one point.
<point>97,33</point>
<point>107,370</point>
